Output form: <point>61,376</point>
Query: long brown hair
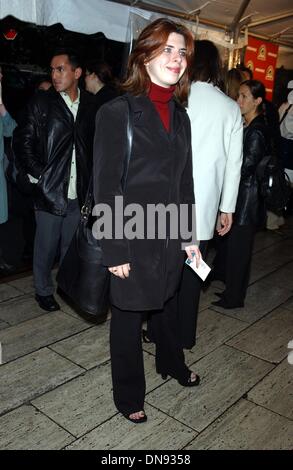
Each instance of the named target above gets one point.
<point>207,66</point>
<point>234,78</point>
<point>149,45</point>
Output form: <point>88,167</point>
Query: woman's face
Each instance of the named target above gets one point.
<point>167,68</point>
<point>90,80</point>
<point>247,103</point>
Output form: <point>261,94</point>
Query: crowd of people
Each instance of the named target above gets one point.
<point>198,139</point>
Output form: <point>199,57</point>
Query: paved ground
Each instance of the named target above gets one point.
<point>56,384</point>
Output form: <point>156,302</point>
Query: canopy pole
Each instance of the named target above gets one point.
<point>272,19</point>
<point>235,30</point>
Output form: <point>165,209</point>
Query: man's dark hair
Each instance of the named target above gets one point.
<point>73,58</point>
<point>207,66</point>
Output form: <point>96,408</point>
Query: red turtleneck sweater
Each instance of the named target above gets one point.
<point>161,96</point>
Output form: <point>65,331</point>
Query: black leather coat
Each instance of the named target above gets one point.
<point>250,206</point>
<point>43,143</point>
<point>160,171</point>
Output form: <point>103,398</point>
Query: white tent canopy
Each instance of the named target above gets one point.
<point>83,16</point>
<point>112,17</point>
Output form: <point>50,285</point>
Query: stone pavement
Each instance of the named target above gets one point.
<point>55,377</point>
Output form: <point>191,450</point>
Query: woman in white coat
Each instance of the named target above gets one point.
<point>216,129</point>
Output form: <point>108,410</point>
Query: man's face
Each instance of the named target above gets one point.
<point>64,77</point>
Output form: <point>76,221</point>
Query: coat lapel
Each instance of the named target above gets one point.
<point>145,113</point>
<point>177,114</point>
<point>143,110</point>
<point>84,103</point>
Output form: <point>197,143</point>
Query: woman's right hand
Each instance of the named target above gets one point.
<point>193,251</point>
<point>121,271</point>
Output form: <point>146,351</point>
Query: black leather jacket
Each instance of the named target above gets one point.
<point>250,206</point>
<point>43,143</point>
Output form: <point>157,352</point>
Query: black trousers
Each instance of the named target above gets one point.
<point>127,355</point>
<point>233,260</point>
<point>188,302</point>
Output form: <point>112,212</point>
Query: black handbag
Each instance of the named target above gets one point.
<point>82,277</point>
<point>274,183</point>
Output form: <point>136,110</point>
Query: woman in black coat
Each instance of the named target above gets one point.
<point>146,269</point>
<point>99,81</point>
<point>234,256</point>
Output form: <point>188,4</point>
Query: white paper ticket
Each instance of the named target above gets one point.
<point>203,269</point>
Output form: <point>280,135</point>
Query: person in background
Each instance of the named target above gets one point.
<point>286,128</point>
<point>273,220</point>
<point>54,142</point>
<point>234,78</point>
<point>234,256</point>
<point>145,272</point>
<point>7,125</point>
<point>99,81</point>
<point>246,72</point>
<point>44,85</point>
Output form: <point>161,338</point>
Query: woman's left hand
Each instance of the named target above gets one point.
<point>193,251</point>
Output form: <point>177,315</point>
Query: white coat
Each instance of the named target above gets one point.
<point>217,132</point>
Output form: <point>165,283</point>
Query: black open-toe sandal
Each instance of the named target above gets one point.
<point>142,419</point>
<point>189,382</point>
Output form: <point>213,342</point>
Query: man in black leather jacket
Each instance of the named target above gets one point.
<point>54,145</point>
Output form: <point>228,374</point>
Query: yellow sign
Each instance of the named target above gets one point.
<point>270,73</point>
<point>262,52</point>
<point>250,65</point>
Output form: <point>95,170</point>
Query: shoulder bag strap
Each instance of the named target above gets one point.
<point>285,114</point>
<point>87,207</point>
<point>129,132</point>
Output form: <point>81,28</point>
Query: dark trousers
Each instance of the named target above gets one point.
<point>127,355</point>
<point>52,230</point>
<point>188,302</point>
<point>220,260</point>
<point>233,261</point>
